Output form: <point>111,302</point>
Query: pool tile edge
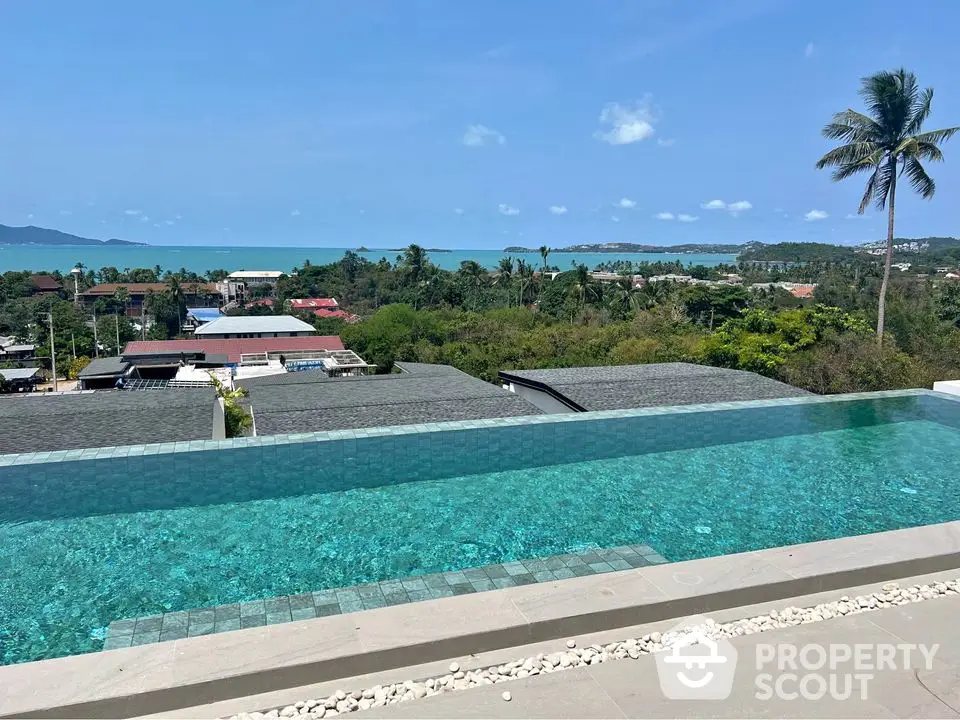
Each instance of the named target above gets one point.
<point>154,678</point>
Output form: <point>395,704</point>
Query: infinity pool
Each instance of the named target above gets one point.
<point>153,533</point>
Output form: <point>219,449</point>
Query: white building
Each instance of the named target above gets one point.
<point>254,326</point>
<point>256,277</point>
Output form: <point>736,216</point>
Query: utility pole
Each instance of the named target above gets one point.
<point>73,344</point>
<point>53,353</point>
<point>96,342</point>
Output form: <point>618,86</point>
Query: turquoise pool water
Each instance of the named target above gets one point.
<point>65,577</point>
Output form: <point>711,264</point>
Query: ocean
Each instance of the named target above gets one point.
<point>199,259</point>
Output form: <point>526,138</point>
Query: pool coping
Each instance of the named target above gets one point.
<point>102,453</point>
<point>193,671</point>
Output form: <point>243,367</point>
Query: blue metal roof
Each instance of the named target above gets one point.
<point>204,314</point>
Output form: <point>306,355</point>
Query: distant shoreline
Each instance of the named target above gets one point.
<point>626,248</point>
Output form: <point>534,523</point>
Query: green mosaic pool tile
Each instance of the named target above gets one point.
<point>145,638</point>
<point>249,621</point>
<point>228,625</point>
<point>543,576</point>
<point>418,595</point>
<point>222,613</point>
<point>115,642</point>
<point>303,613</point>
<point>327,609</point>
<point>413,584</point>
<point>200,628</point>
<point>152,623</point>
<point>251,609</point>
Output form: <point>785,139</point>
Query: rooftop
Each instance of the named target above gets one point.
<point>105,367</point>
<point>189,288</point>
<point>242,324</point>
<point>204,314</point>
<point>638,386</point>
<point>244,274</point>
<point>309,303</point>
<point>12,374</point>
<point>45,283</point>
<point>232,349</point>
<point>38,422</point>
<point>310,401</point>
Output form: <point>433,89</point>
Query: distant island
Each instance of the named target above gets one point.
<point>31,235</point>
<point>365,249</point>
<point>692,248</point>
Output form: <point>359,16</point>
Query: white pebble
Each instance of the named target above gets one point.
<point>571,644</point>
<point>454,666</point>
<point>507,697</point>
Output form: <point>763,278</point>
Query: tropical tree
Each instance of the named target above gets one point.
<point>415,263</point>
<point>505,275</point>
<point>886,142</point>
<point>544,254</point>
<point>583,285</point>
<point>472,274</point>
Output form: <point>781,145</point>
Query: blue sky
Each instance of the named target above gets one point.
<point>334,123</point>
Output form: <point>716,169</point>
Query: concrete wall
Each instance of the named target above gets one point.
<point>219,421</point>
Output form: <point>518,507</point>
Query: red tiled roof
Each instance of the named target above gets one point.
<point>45,282</point>
<point>309,303</point>
<point>235,347</point>
<point>266,302</point>
<point>804,291</point>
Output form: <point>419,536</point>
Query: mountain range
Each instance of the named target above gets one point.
<point>31,235</point>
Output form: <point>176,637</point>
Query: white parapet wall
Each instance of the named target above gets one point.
<point>951,387</point>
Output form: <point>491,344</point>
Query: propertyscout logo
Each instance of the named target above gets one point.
<point>695,666</point>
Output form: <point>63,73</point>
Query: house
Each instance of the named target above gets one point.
<point>45,284</point>
<point>313,303</point>
<point>199,316</point>
<point>215,351</point>
<point>311,401</point>
<point>621,387</point>
<point>194,294</point>
<point>42,422</point>
<point>254,326</point>
<point>17,352</point>
<point>251,278</point>
<point>803,292</point>
<point>19,379</point>
<point>103,373</point>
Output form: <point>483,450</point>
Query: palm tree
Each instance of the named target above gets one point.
<point>877,142</point>
<point>525,271</point>
<point>505,275</point>
<point>177,296</point>
<point>583,284</point>
<point>473,273</point>
<point>544,253</point>
<point>415,262</point>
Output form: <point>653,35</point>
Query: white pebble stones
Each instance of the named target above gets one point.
<point>341,702</point>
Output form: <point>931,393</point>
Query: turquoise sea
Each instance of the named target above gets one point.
<point>202,258</point>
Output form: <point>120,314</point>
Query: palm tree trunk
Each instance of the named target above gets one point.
<point>882,306</point>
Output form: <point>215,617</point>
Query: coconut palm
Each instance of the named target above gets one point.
<point>473,276</point>
<point>525,272</point>
<point>415,262</point>
<point>505,275</point>
<point>583,285</point>
<point>886,142</point>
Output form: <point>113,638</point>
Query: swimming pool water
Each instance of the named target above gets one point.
<point>64,579</point>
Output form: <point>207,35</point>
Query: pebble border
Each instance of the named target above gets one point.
<point>341,702</point>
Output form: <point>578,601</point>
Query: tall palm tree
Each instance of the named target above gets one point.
<point>583,284</point>
<point>525,271</point>
<point>472,273</point>
<point>505,275</point>
<point>886,142</point>
<point>544,253</point>
<point>415,262</point>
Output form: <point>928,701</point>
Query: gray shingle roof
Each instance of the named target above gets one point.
<point>11,374</point>
<point>415,368</point>
<point>638,386</point>
<point>105,366</point>
<point>44,422</point>
<point>311,402</point>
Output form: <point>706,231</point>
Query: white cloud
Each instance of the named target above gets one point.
<point>177,217</point>
<point>683,217</point>
<point>665,142</point>
<point>627,203</point>
<point>738,207</point>
<point>168,222</point>
<point>558,209</point>
<point>458,211</point>
<point>815,215</point>
<point>480,135</point>
<point>809,50</point>
<point>508,209</point>
<point>714,205</point>
<point>664,216</point>
<point>156,224</point>
<point>131,212</point>
<point>30,216</point>
<point>144,218</point>
<point>628,124</point>
<point>66,212</point>
<point>294,213</point>
<point>615,218</point>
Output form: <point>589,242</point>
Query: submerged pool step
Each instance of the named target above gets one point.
<point>291,608</point>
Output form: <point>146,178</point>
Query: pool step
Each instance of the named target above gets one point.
<point>291,608</point>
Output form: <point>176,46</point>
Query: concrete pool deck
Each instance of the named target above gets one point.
<point>186,673</point>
